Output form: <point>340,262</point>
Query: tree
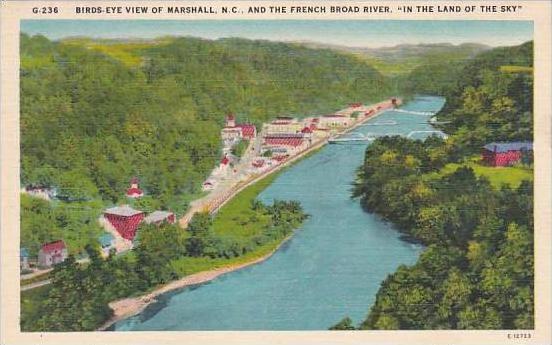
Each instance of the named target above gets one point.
<point>346,324</point>
<point>200,234</point>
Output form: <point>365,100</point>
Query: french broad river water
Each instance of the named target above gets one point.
<point>331,268</point>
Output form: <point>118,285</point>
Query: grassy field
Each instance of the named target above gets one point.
<point>516,69</point>
<point>126,52</point>
<point>237,219</point>
<point>498,176</point>
<point>187,265</point>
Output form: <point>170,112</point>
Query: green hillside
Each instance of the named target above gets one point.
<point>402,59</point>
<point>476,221</point>
<point>96,113</point>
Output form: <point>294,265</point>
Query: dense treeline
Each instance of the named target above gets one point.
<point>477,271</point>
<point>79,294</point>
<point>43,221</point>
<point>90,122</point>
<point>489,98</point>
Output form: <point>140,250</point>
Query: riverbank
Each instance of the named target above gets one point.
<point>212,203</point>
<point>127,307</point>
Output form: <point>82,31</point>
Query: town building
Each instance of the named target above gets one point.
<point>160,217</point>
<point>39,192</point>
<point>24,259</point>
<point>107,242</point>
<point>307,132</point>
<point>334,121</point>
<point>223,167</point>
<point>125,220</point>
<point>134,191</point>
<point>232,132</point>
<point>208,185</point>
<point>506,153</point>
<point>52,254</point>
<point>291,142</point>
<point>283,124</point>
<point>248,131</point>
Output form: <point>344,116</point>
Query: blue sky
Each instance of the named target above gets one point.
<point>357,33</point>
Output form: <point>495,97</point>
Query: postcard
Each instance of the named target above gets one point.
<point>222,172</point>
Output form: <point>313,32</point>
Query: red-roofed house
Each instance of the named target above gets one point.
<point>355,105</point>
<point>307,132</point>
<point>230,120</point>
<point>248,131</point>
<point>134,191</point>
<point>125,220</point>
<point>52,253</point>
<point>223,167</point>
<point>234,131</point>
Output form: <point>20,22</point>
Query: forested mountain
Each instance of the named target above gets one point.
<point>449,78</point>
<point>402,59</point>
<point>477,269</point>
<point>94,114</point>
<point>489,98</point>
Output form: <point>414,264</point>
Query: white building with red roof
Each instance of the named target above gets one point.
<point>223,167</point>
<point>248,131</point>
<point>232,131</point>
<point>134,191</point>
<point>52,254</point>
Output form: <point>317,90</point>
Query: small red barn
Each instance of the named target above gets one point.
<point>125,220</point>
<point>505,154</point>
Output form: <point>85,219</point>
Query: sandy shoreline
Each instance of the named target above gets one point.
<point>127,307</point>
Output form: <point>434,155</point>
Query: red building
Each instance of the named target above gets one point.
<point>134,191</point>
<point>52,253</point>
<point>505,154</point>
<point>125,220</point>
<point>248,131</point>
<point>234,130</point>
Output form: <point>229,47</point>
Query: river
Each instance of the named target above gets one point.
<point>331,268</point>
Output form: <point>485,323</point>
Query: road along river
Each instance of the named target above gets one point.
<point>332,267</point>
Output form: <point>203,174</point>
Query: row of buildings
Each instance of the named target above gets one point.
<point>285,136</point>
